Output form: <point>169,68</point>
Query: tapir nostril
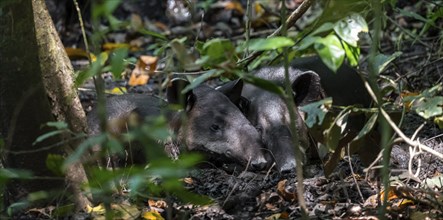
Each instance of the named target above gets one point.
<point>228,153</point>
<point>260,164</point>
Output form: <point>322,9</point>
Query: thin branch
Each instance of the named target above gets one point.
<point>398,131</point>
<point>353,174</point>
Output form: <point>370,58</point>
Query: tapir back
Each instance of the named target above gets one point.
<point>122,106</point>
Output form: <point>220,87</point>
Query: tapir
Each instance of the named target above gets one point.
<point>269,113</point>
<point>213,124</point>
<point>311,80</point>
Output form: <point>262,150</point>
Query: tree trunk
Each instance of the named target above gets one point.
<point>57,74</point>
<point>35,88</point>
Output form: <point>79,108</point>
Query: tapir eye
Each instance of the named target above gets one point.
<point>215,127</point>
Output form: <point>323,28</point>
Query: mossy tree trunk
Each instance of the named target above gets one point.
<point>35,88</point>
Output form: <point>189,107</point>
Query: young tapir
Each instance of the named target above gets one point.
<point>269,113</point>
<point>214,124</point>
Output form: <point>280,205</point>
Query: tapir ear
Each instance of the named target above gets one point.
<point>232,90</point>
<point>307,88</point>
<point>173,91</point>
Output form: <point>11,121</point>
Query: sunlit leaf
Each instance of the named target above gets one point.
<point>348,28</point>
<point>439,122</point>
<point>430,107</point>
<point>79,53</point>
<point>152,215</point>
<point>116,91</point>
<point>316,111</point>
<point>352,53</point>
<point>270,43</point>
<point>99,209</point>
<point>109,46</point>
<point>144,69</point>
<point>331,52</point>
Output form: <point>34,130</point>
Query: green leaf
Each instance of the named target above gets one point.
<point>368,126</point>
<point>432,91</point>
<point>94,70</point>
<point>264,84</point>
<point>82,149</point>
<point>114,146</point>
<point>326,27</point>
<point>307,42</point>
<point>199,80</point>
<point>118,62</point>
<point>271,43</point>
<point>60,125</point>
<point>152,33</point>
<point>333,134</point>
<point>47,135</point>
<point>331,52</point>
<point>54,162</point>
<point>427,93</point>
<point>382,61</point>
<point>316,111</point>
<point>409,13</point>
<point>8,173</point>
<point>430,107</point>
<point>218,48</point>
<point>348,28</point>
<point>186,60</point>
<point>104,8</point>
<point>439,121</point>
<point>352,53</point>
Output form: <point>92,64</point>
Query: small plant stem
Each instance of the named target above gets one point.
<point>289,98</point>
<point>82,27</point>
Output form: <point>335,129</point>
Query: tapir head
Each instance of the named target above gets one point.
<point>215,125</point>
<point>269,113</point>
